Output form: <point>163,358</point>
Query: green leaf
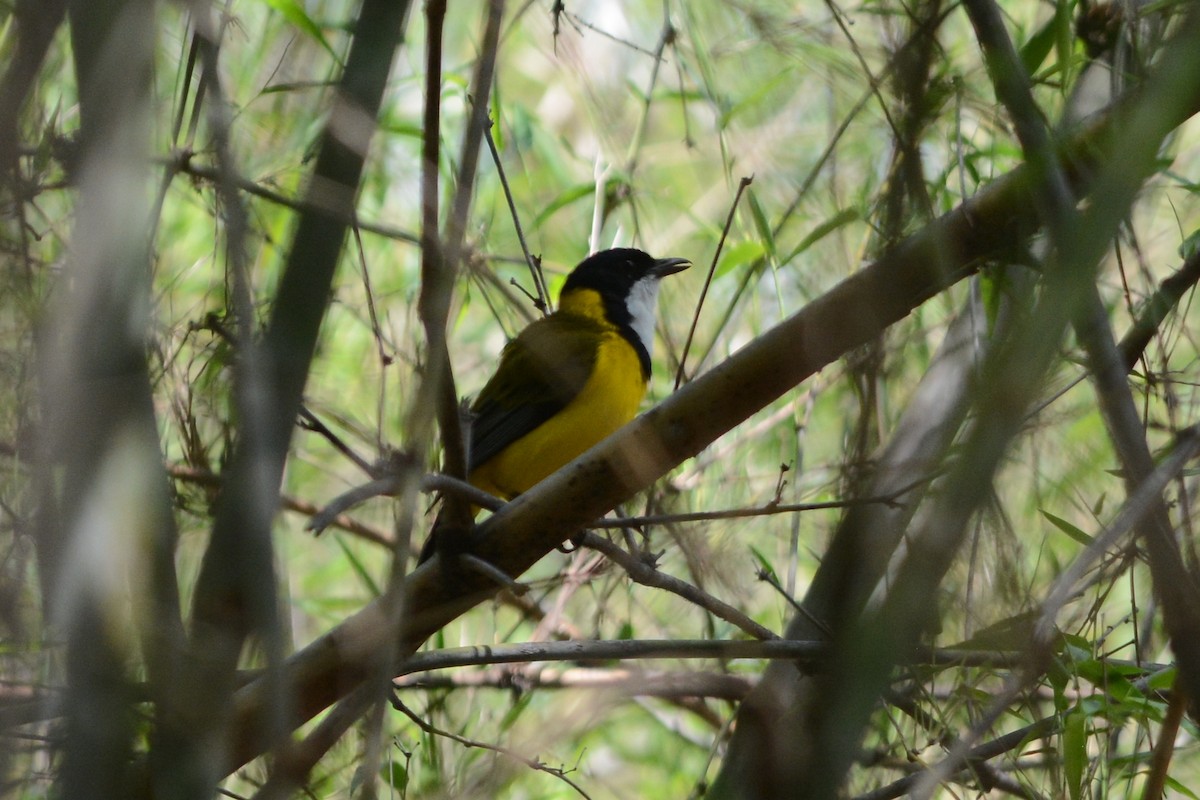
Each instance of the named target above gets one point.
<point>455,83</point>
<point>358,567</point>
<point>1034,52</point>
<point>1059,676</point>
<point>1109,676</point>
<point>1179,788</point>
<point>739,255</point>
<point>1074,752</point>
<point>763,563</point>
<point>754,98</point>
<point>394,774</point>
<point>1012,633</point>
<point>1076,648</point>
<point>521,128</point>
<point>1161,681</point>
<point>1100,671</point>
<point>411,131</point>
<point>1064,41</point>
<point>762,226</point>
<point>1067,528</point>
<point>993,283</point>
<point>562,200</point>
<point>513,714</point>
<point>45,148</point>
<point>498,135</point>
<point>1189,245</point>
<point>294,13</point>
<point>843,217</point>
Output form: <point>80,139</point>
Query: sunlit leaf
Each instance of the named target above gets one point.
<point>1074,752</point>
<point>1067,528</point>
<point>294,13</point>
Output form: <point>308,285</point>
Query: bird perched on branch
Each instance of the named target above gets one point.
<point>568,380</point>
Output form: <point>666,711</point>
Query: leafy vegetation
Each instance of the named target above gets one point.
<point>920,521</point>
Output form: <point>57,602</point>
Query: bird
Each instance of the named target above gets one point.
<point>569,379</point>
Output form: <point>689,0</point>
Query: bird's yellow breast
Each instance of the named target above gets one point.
<point>609,398</point>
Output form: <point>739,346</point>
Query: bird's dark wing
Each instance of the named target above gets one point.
<point>540,372</point>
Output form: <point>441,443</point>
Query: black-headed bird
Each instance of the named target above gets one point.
<point>570,379</point>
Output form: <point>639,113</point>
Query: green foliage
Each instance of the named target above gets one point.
<point>602,144</point>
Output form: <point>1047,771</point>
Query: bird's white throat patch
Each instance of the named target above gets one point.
<point>642,303</point>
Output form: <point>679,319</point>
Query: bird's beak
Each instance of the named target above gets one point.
<point>669,266</point>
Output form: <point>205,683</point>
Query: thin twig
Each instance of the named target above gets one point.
<point>818,167</point>
<point>712,270</point>
<point>1041,729</point>
<point>542,301</point>
<point>389,483</point>
<point>1156,310</point>
<point>666,36</point>
<point>289,773</point>
<point>599,199</point>
<point>766,577</point>
<point>1139,502</point>
<point>762,511</point>
<point>532,763</point>
<point>310,421</point>
<point>579,22</point>
<point>341,521</point>
<point>376,330</point>
<point>647,575</point>
<point>635,682</point>
<point>648,649</point>
<point>183,163</point>
<point>379,487</point>
<point>839,18</point>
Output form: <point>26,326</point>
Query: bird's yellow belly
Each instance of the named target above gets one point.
<point>609,399</point>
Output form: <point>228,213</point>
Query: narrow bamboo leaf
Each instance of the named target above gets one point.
<point>738,255</point>
<point>763,563</point>
<point>358,567</point>
<point>1179,789</point>
<point>294,13</point>
<point>843,217</point>
<point>395,775</point>
<point>564,199</point>
<point>1035,50</point>
<point>762,226</point>
<point>1074,752</point>
<point>1066,527</point>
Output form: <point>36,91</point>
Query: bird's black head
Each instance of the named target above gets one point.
<point>620,287</point>
<point>613,273</point>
